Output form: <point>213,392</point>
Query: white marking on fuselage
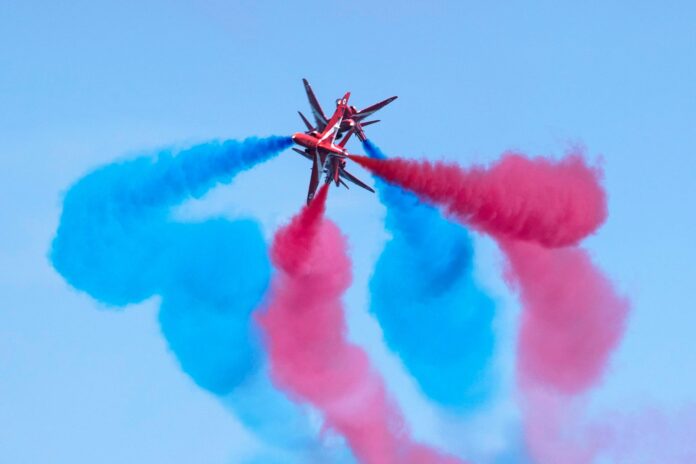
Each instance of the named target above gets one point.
<point>332,132</point>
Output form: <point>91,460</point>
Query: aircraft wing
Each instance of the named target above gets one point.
<point>362,114</point>
<point>304,120</point>
<point>350,177</point>
<point>314,179</point>
<point>318,113</point>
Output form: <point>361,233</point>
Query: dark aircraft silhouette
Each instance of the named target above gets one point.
<point>327,157</point>
<point>353,119</point>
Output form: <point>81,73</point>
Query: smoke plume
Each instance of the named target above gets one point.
<point>572,317</point>
<point>117,242</point>
<point>309,352</point>
<point>431,310</point>
<point>551,203</point>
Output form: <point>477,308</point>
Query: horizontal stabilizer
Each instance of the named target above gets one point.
<point>350,177</point>
<point>367,123</point>
<point>359,129</point>
<point>345,138</point>
<point>303,153</point>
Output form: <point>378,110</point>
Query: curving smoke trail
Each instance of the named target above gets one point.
<point>572,321</point>
<point>115,236</point>
<point>309,353</point>
<point>572,318</point>
<point>117,242</point>
<point>431,310</point>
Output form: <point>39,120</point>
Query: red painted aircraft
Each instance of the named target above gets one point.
<point>353,119</point>
<point>327,157</point>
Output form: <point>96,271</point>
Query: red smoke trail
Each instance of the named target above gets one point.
<point>309,353</point>
<point>572,318</point>
<point>552,203</point>
<point>571,323</point>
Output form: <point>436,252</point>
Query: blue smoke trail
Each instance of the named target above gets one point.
<point>432,312</point>
<point>114,232</point>
<point>117,242</point>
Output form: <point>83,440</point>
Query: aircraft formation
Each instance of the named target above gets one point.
<point>319,141</point>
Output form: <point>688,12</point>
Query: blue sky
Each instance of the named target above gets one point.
<point>86,83</point>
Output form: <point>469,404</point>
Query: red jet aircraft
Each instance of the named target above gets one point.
<point>353,119</point>
<point>327,157</point>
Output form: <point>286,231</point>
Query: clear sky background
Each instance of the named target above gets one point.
<point>85,82</point>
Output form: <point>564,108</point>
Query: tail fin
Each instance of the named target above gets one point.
<point>309,126</point>
<point>344,140</point>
